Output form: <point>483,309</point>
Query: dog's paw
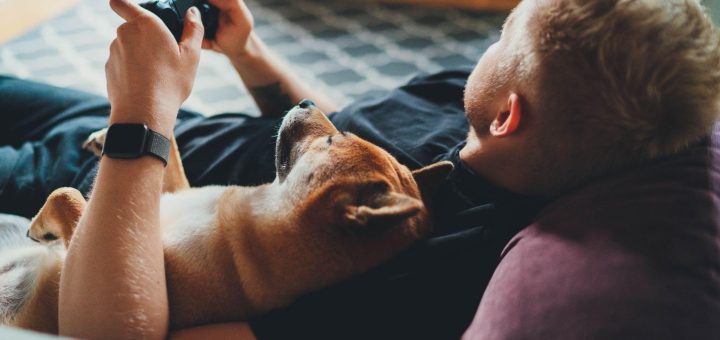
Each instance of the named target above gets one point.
<point>94,143</point>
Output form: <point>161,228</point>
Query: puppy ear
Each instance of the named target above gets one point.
<point>430,177</point>
<point>379,208</point>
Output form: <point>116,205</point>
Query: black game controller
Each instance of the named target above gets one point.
<point>172,13</point>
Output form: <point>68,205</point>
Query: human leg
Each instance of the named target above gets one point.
<point>42,128</point>
<point>29,110</point>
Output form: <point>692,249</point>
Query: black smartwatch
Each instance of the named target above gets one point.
<point>131,141</point>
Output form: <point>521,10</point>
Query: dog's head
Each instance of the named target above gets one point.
<point>368,187</point>
<point>354,201</point>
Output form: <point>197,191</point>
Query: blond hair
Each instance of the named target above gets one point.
<point>621,81</point>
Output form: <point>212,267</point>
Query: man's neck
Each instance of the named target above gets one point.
<point>496,170</point>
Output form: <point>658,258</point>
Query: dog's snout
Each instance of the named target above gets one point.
<point>305,119</point>
<point>306,103</point>
<point>30,236</point>
<point>303,122</point>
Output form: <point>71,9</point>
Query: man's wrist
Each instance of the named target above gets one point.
<point>254,51</point>
<point>154,119</point>
<point>133,141</point>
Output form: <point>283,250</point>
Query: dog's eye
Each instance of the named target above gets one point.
<point>49,237</point>
<point>329,140</point>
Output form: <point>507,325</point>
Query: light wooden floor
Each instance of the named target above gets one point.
<point>18,16</point>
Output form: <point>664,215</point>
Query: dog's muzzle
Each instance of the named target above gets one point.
<point>291,131</point>
<point>302,122</point>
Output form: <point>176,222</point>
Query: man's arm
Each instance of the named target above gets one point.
<point>113,282</point>
<point>272,83</point>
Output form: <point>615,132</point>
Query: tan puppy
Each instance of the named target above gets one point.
<point>338,207</point>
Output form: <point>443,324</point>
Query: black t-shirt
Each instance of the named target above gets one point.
<point>433,289</point>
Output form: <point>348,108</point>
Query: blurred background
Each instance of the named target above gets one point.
<point>714,6</point>
<point>349,49</point>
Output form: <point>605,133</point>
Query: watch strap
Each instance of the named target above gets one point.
<point>157,145</point>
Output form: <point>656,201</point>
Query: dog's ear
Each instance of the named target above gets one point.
<point>377,207</point>
<point>431,177</point>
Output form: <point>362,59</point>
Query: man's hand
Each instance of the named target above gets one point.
<point>149,75</point>
<point>235,26</point>
<point>272,84</point>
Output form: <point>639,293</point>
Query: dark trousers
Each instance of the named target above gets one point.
<point>42,128</point>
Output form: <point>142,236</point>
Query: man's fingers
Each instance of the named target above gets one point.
<point>126,9</point>
<point>193,31</point>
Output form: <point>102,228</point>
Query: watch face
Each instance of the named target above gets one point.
<point>125,140</point>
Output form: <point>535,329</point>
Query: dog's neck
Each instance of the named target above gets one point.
<point>269,244</point>
<point>280,253</point>
<point>258,219</point>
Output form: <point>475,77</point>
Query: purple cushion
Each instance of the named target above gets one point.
<point>632,256</point>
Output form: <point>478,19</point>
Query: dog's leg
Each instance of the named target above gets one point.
<point>174,179</point>
<point>94,143</point>
<point>59,216</point>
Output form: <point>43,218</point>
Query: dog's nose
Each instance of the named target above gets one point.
<point>306,103</point>
<point>30,237</point>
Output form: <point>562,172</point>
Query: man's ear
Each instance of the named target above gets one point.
<point>431,177</point>
<point>507,121</point>
<point>376,207</point>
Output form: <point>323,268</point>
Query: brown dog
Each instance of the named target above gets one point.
<point>338,207</point>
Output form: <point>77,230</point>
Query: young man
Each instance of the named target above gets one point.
<point>559,101</point>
